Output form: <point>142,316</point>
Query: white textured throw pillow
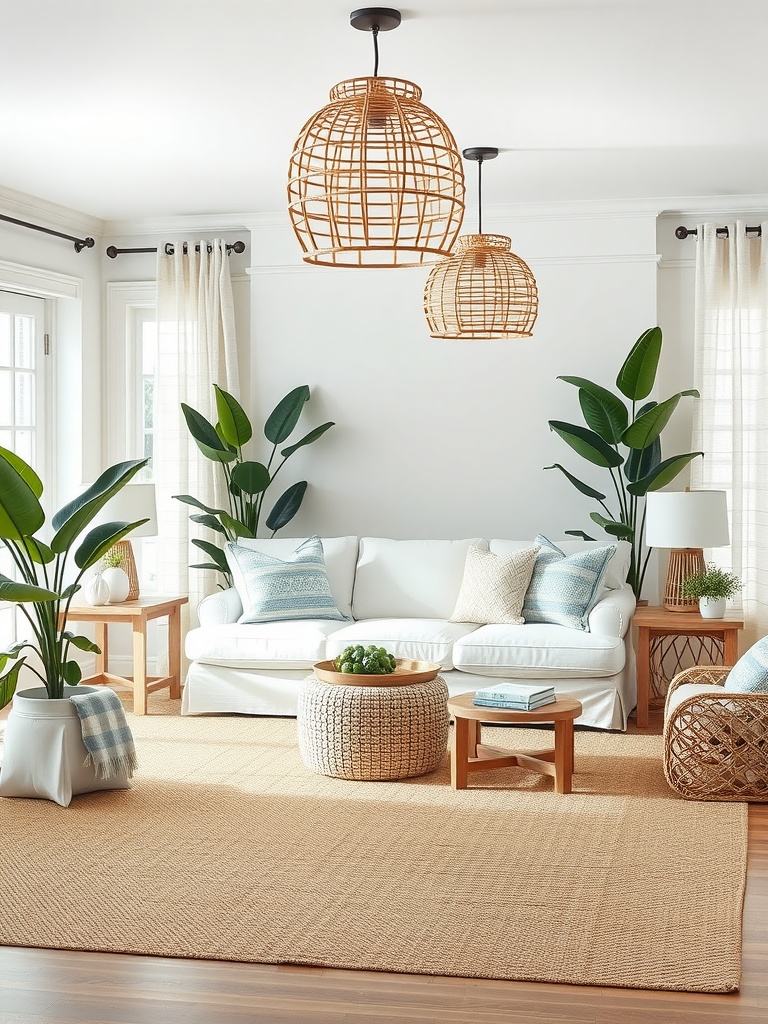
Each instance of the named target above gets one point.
<point>494,586</point>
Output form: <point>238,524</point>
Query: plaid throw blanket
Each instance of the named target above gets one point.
<point>106,733</point>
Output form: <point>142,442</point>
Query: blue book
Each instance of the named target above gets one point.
<point>515,705</point>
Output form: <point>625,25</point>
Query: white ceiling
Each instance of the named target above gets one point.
<point>134,109</point>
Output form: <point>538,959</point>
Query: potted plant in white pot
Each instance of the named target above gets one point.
<point>44,589</point>
<point>712,586</point>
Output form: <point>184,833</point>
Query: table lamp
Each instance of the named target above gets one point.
<point>686,522</point>
<point>132,502</point>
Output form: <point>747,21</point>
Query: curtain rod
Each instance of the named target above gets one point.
<point>80,243</point>
<point>683,232</point>
<point>233,247</point>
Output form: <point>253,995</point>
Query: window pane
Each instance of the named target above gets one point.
<point>148,446</point>
<point>149,402</point>
<point>6,439</point>
<point>25,395</point>
<point>25,341</point>
<point>6,397</point>
<point>5,339</point>
<point>148,347</point>
<point>23,445</point>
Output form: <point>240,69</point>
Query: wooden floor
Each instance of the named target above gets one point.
<point>40,986</point>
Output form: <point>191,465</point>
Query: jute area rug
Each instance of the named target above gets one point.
<point>228,848</point>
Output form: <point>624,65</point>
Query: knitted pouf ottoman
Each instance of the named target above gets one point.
<point>373,732</point>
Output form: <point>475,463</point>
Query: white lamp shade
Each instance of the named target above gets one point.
<point>686,519</point>
<point>134,501</point>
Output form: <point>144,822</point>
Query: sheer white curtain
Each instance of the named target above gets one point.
<point>731,420</point>
<point>195,350</point>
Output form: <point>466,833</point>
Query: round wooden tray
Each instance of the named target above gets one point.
<point>407,673</point>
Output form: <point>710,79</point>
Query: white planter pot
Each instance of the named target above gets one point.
<point>44,752</point>
<point>118,583</point>
<point>96,590</point>
<point>712,607</point>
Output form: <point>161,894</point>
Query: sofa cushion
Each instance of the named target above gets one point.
<point>494,586</point>
<point>297,644</point>
<point>422,639</point>
<point>616,570</point>
<point>409,578</point>
<point>565,588</point>
<point>750,673</point>
<point>538,651</point>
<point>271,589</point>
<point>339,554</point>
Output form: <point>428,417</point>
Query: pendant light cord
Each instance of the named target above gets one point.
<point>480,195</point>
<point>375,31</point>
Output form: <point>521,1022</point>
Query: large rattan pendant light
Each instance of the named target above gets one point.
<point>375,179</point>
<point>484,291</point>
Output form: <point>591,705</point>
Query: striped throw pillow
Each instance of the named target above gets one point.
<point>565,588</point>
<point>271,589</point>
<point>750,673</point>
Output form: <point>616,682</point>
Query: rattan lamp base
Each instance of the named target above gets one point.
<point>128,565</point>
<point>683,562</point>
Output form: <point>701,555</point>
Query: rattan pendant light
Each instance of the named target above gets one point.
<point>484,291</point>
<point>375,179</point>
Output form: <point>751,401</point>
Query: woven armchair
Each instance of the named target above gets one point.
<point>716,744</point>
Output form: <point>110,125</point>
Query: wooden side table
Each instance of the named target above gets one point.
<point>468,754</point>
<point>137,613</point>
<point>653,624</point>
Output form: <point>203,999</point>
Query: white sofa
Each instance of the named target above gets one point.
<point>400,594</point>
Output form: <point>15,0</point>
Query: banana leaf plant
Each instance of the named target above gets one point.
<point>41,588</point>
<point>246,481</point>
<point>626,442</point>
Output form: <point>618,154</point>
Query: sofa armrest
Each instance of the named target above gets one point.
<point>220,608</point>
<point>613,613</point>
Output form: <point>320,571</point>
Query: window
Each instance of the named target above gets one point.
<point>22,407</point>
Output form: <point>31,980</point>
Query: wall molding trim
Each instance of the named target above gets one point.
<point>59,218</point>
<point>34,281</point>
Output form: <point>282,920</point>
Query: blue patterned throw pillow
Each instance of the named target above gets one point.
<point>750,673</point>
<point>271,589</point>
<point>565,588</point>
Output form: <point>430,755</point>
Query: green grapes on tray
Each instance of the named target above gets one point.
<point>365,661</point>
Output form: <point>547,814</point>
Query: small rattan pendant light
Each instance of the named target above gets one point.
<point>484,291</point>
<point>376,178</point>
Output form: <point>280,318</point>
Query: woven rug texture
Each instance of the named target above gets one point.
<point>228,848</point>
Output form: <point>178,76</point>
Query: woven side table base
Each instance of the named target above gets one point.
<point>373,732</point>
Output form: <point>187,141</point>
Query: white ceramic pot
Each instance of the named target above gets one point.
<point>96,590</point>
<point>712,607</point>
<point>118,583</point>
<point>44,753</point>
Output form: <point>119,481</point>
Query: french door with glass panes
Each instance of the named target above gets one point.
<point>22,405</point>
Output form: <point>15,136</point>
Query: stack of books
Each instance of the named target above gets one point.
<point>515,696</point>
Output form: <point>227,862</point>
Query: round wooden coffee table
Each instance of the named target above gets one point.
<point>469,755</point>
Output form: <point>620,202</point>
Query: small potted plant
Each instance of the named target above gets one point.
<point>712,586</point>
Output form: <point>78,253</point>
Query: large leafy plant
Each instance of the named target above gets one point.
<point>42,590</point>
<point>627,443</point>
<point>246,481</point>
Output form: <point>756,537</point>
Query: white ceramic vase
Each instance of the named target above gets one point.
<point>118,583</point>
<point>44,754</point>
<point>96,590</point>
<point>712,607</point>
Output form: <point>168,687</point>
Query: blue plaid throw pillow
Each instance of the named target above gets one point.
<point>271,589</point>
<point>750,673</point>
<point>565,588</point>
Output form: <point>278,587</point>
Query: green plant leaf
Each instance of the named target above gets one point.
<point>187,499</point>
<point>235,426</point>
<point>70,591</point>
<point>205,437</point>
<point>28,475</point>
<point>578,533</point>
<point>285,415</point>
<point>39,552</point>
<point>71,673</point>
<point>638,374</point>
<point>70,521</point>
<point>590,492</point>
<point>209,565</point>
<point>588,444</point>
<point>21,514</point>
<point>216,554</point>
<point>251,477</point>
<point>286,506</point>
<point>235,526</point>
<point>82,643</point>
<point>641,461</point>
<point>307,439</point>
<point>210,521</point>
<point>612,527</point>
<point>8,683</point>
<point>12,590</point>
<point>604,412</point>
<point>100,539</point>
<point>648,425</point>
<point>663,474</point>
